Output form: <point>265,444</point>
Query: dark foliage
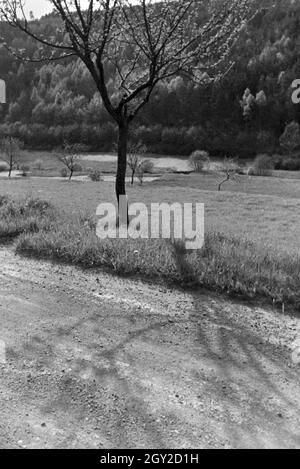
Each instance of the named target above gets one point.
<point>50,104</point>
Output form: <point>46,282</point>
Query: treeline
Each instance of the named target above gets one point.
<point>246,114</point>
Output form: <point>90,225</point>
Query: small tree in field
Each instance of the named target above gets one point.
<point>290,139</point>
<point>69,157</point>
<point>135,44</point>
<point>136,151</point>
<point>11,149</point>
<point>230,168</point>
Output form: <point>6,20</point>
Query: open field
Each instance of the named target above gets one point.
<point>265,210</point>
<point>47,164</point>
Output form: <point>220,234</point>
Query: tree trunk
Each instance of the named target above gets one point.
<point>122,161</point>
<point>223,182</point>
<point>10,165</point>
<point>122,165</point>
<point>71,175</point>
<point>132,177</point>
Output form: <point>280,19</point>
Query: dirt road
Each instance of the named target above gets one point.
<point>94,361</point>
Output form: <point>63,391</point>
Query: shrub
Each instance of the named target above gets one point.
<point>290,164</point>
<point>25,170</point>
<point>64,173</point>
<point>147,166</point>
<point>263,165</point>
<point>3,167</point>
<point>77,168</point>
<point>24,216</point>
<point>198,160</point>
<point>144,167</point>
<point>95,176</point>
<point>286,164</point>
<point>39,165</point>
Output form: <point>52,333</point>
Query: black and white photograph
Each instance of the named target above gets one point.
<point>149,228</point>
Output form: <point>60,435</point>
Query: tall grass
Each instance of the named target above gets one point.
<point>227,264</point>
<point>28,215</point>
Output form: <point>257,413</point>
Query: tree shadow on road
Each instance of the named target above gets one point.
<point>258,385</point>
<point>205,378</point>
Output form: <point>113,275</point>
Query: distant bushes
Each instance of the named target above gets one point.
<point>164,140</point>
<point>147,166</point>
<point>198,160</point>
<point>25,170</point>
<point>3,167</point>
<point>157,138</point>
<point>144,167</point>
<point>290,164</point>
<point>41,137</point>
<point>263,165</point>
<point>38,164</point>
<point>64,173</point>
<point>95,175</point>
<point>167,140</point>
<point>281,162</point>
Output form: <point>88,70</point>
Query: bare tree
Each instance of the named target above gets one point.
<point>140,42</point>
<point>69,157</point>
<point>230,168</point>
<point>135,152</point>
<point>133,163</point>
<point>10,149</point>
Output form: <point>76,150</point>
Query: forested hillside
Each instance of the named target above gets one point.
<point>51,103</point>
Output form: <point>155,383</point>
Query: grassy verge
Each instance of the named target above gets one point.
<point>227,264</point>
<point>232,265</point>
<point>24,216</point>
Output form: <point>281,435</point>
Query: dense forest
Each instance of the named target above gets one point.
<point>243,115</point>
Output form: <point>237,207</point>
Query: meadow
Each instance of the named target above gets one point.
<point>265,210</point>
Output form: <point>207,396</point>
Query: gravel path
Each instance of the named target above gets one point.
<point>95,361</point>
